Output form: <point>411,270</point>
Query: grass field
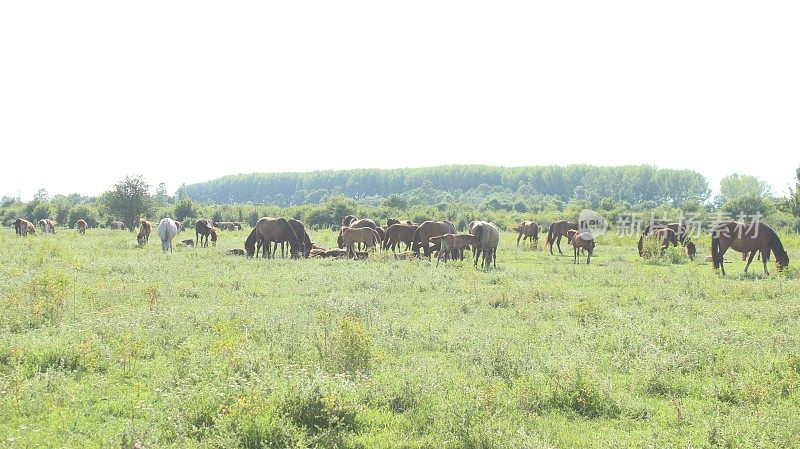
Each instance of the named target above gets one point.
<point>103,344</point>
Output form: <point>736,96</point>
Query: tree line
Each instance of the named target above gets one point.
<point>132,198</point>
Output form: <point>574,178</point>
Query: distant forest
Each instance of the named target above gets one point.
<point>471,184</point>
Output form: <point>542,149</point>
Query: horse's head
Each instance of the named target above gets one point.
<point>782,260</point>
<point>213,232</point>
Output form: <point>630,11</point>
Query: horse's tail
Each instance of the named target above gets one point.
<point>415,241</point>
<point>715,252</point>
<point>550,232</point>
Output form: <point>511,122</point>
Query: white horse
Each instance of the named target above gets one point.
<point>167,230</point>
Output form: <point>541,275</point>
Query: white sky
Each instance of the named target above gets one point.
<point>189,91</point>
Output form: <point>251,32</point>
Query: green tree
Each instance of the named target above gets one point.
<point>184,209</point>
<point>128,201</point>
<point>735,185</point>
<point>792,203</point>
<point>161,197</point>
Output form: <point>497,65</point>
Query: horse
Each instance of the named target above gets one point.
<point>228,226</point>
<point>187,242</point>
<point>425,231</point>
<point>117,226</point>
<point>300,231</point>
<point>450,242</point>
<point>82,226</point>
<point>202,229</point>
<point>680,230</point>
<point>397,234</point>
<point>235,252</point>
<point>488,237</point>
<point>26,227</point>
<point>391,221</point>
<point>557,230</point>
<point>268,230</point>
<point>366,235</point>
<point>690,248</point>
<point>347,220</point>
<point>667,237</point>
<point>18,226</point>
<point>527,230</point>
<point>356,223</point>
<point>47,226</point>
<point>582,241</point>
<point>747,238</point>
<point>144,232</point>
<point>180,226</point>
<point>167,230</point>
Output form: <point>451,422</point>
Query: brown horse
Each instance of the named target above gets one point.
<point>527,230</point>
<point>202,229</point>
<point>366,235</point>
<point>746,238</point>
<point>26,227</point>
<point>300,231</point>
<point>582,241</point>
<point>557,230</point>
<point>117,226</point>
<point>47,226</point>
<point>425,231</point>
<point>488,237</point>
<point>347,220</point>
<point>228,226</point>
<point>144,232</point>
<point>397,234</point>
<point>690,248</point>
<point>18,226</point>
<point>268,230</point>
<point>453,242</point>
<point>82,226</point>
<point>679,229</point>
<point>666,236</point>
<point>360,223</point>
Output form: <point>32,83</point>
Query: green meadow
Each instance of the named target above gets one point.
<point>104,344</point>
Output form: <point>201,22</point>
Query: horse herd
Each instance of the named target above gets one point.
<point>441,239</point>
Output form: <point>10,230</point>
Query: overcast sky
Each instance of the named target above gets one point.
<point>183,92</point>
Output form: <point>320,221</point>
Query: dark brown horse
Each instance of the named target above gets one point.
<point>144,232</point>
<point>582,241</point>
<point>746,238</point>
<point>348,219</point>
<point>300,231</point>
<point>426,230</point>
<point>666,236</point>
<point>679,229</point>
<point>268,230</point>
<point>557,230</point>
<point>397,234</point>
<point>202,229</point>
<point>527,230</point>
<point>18,226</point>
<point>82,226</point>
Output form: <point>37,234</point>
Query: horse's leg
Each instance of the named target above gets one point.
<point>588,256</point>
<point>439,257</point>
<point>558,243</point>
<point>574,255</point>
<point>722,248</point>
<point>765,258</point>
<point>752,255</point>
<point>520,237</point>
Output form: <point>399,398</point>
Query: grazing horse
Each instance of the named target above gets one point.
<point>202,229</point>
<point>144,232</point>
<point>488,237</point>
<point>227,226</point>
<point>360,223</point>
<point>690,248</point>
<point>117,226</point>
<point>82,226</point>
<point>235,252</point>
<point>300,231</point>
<point>397,234</point>
<point>268,230</point>
<point>453,242</point>
<point>366,235</point>
<point>47,226</point>
<point>26,227</point>
<point>167,230</point>
<point>187,242</point>
<point>557,230</point>
<point>18,226</point>
<point>425,231</point>
<point>680,230</point>
<point>666,236</point>
<point>527,230</point>
<point>582,241</point>
<point>746,238</point>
